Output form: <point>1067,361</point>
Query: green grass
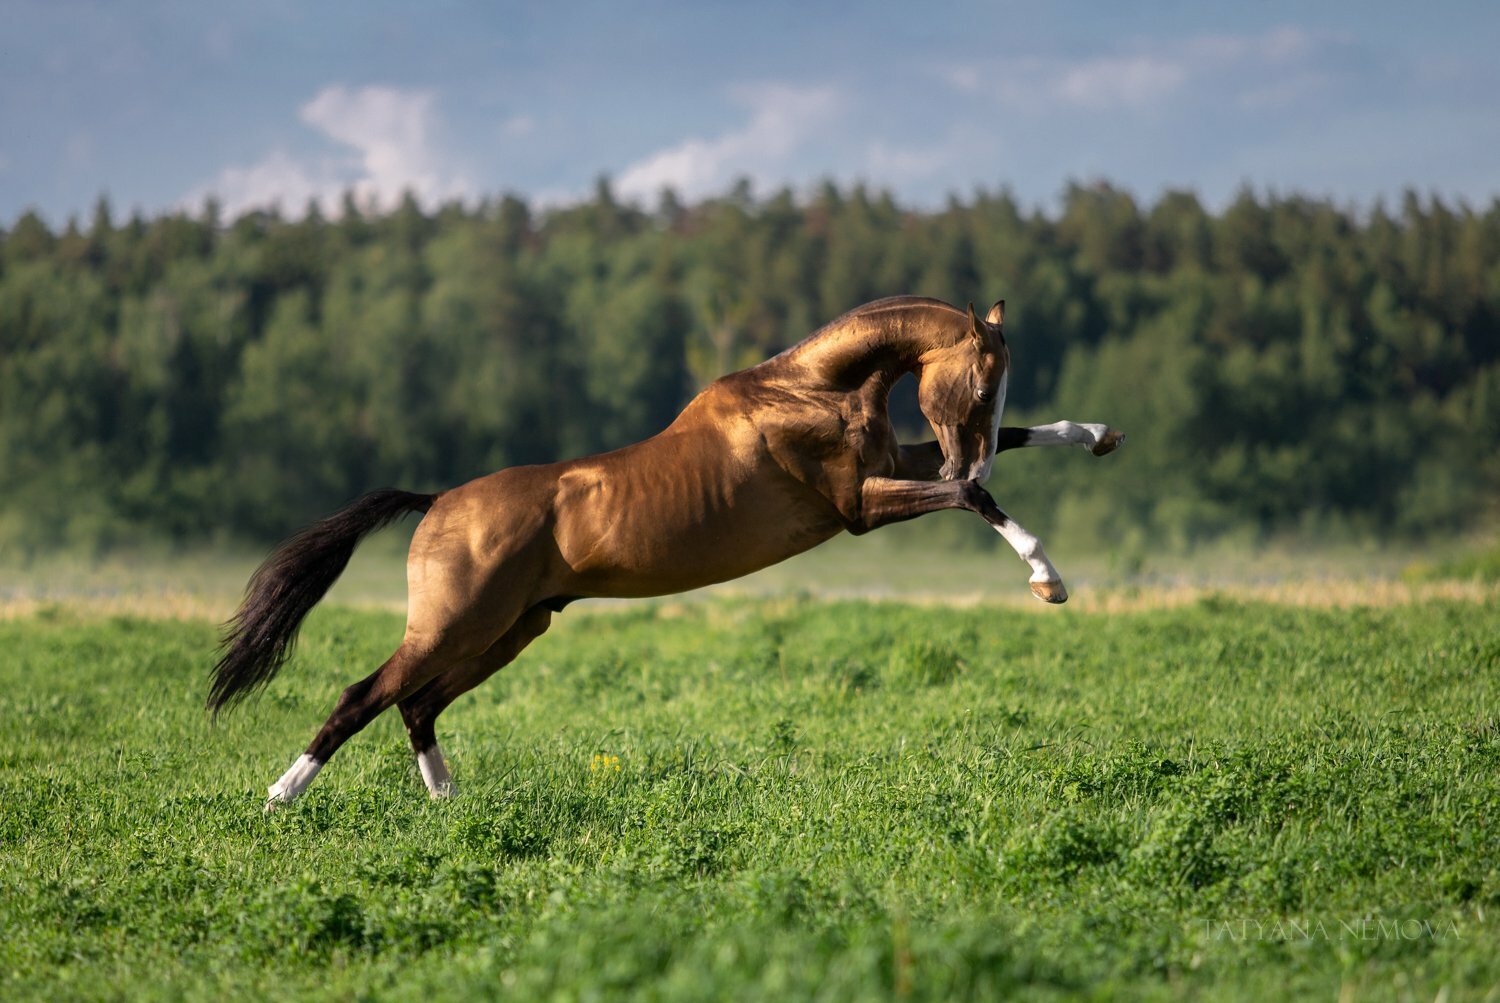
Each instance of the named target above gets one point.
<point>814,801</point>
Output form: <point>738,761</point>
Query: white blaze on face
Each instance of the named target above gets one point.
<point>989,461</point>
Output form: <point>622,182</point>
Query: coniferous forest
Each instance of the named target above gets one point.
<point>1286,365</point>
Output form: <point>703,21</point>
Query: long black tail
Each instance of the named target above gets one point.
<point>259,637</point>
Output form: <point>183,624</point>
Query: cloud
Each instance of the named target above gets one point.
<point>890,162</point>
<point>386,136</point>
<point>782,120</point>
<point>518,127</point>
<point>1128,82</point>
<point>391,129</point>
<point>277,181</point>
<point>1265,70</point>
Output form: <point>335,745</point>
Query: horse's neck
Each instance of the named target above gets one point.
<point>883,343</point>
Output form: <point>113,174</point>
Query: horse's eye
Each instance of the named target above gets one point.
<point>985,396</point>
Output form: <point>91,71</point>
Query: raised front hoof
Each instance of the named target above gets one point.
<point>1050,592</point>
<point>1112,440</point>
<point>442,792</point>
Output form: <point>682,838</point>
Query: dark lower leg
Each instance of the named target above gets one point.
<point>357,706</point>
<point>365,700</point>
<point>419,727</point>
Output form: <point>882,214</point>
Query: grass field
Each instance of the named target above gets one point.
<point>775,799</point>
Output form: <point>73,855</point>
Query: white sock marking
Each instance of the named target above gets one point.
<point>1029,549</point>
<point>293,782</point>
<point>435,772</point>
<point>1067,433</point>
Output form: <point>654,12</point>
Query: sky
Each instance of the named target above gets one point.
<point>159,104</point>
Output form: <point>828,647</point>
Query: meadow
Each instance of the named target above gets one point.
<point>774,798</point>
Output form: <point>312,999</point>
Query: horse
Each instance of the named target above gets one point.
<point>761,465</point>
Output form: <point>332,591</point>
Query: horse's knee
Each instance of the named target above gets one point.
<point>352,702</point>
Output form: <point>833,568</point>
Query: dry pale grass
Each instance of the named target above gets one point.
<point>184,606</point>
<point>181,606</point>
<point>1330,593</point>
<point>1322,594</point>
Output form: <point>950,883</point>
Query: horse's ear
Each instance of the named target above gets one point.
<point>996,316</point>
<point>977,329</point>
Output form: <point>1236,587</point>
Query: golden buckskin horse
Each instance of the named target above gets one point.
<point>763,464</point>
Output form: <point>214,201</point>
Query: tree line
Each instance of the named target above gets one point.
<point>1286,364</point>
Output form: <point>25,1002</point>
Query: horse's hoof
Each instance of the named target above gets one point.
<point>443,792</point>
<point>1052,592</point>
<point>276,798</point>
<point>1112,440</point>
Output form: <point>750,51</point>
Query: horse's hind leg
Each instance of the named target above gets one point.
<point>420,710</point>
<point>410,668</point>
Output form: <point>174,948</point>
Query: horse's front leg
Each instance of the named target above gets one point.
<point>1097,439</point>
<point>884,500</point>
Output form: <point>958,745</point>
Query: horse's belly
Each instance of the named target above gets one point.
<point>644,539</point>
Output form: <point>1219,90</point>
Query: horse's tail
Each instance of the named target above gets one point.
<point>259,637</point>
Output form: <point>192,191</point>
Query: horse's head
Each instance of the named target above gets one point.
<point>961,391</point>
